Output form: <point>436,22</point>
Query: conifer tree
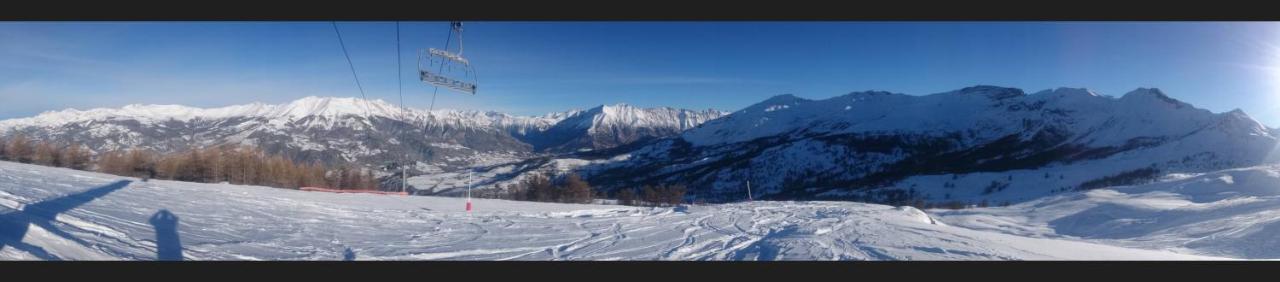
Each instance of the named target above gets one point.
<point>627,197</point>
<point>577,190</point>
<point>75,156</point>
<point>19,149</point>
<point>46,154</point>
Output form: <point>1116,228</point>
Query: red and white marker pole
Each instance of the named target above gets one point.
<point>468,192</point>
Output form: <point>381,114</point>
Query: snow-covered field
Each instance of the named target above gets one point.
<point>53,213</point>
<point>1229,213</point>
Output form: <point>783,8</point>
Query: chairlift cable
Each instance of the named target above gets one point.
<point>353,68</point>
<point>363,97</point>
<point>399,75</point>
<point>436,89</point>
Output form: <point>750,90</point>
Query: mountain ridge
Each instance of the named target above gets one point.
<point>871,145</point>
<point>349,129</point>
<point>887,147</point>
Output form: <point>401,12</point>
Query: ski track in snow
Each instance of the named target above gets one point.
<point>231,222</point>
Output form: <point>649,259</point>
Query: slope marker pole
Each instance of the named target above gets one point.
<point>468,192</point>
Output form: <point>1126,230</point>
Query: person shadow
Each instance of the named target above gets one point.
<point>348,255</point>
<point>168,245</point>
<point>14,225</point>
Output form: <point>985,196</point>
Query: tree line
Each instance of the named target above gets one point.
<point>235,164</point>
<point>248,165</point>
<point>573,189</point>
<point>649,195</point>
<point>24,150</point>
<point>541,188</point>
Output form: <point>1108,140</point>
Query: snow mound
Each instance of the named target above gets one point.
<point>916,214</point>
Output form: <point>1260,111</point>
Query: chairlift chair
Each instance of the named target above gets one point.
<point>450,70</point>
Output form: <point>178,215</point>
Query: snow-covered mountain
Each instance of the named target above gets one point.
<point>610,126</point>
<point>369,132</point>
<point>977,143</point>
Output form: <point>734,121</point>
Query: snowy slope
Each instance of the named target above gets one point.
<point>1229,213</point>
<point>53,213</point>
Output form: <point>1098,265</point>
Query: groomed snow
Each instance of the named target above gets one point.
<point>54,213</point>
<point>1229,213</point>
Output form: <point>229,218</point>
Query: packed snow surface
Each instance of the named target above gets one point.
<point>54,213</point>
<point>1229,213</point>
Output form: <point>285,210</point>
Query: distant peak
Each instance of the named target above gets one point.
<point>607,109</point>
<point>993,92</point>
<point>784,98</point>
<point>867,94</point>
<point>1239,121</point>
<point>777,102</point>
<point>627,109</point>
<point>1238,114</point>
<point>1065,93</point>
<point>616,106</point>
<point>1152,94</point>
<point>337,106</point>
<point>1142,91</point>
<point>1069,91</point>
<point>324,99</point>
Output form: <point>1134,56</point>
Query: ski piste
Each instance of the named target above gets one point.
<point>237,222</point>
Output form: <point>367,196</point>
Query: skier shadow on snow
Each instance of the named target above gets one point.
<point>14,225</point>
<point>168,245</point>
<point>348,255</point>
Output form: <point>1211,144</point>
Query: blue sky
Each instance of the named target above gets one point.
<point>532,68</point>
